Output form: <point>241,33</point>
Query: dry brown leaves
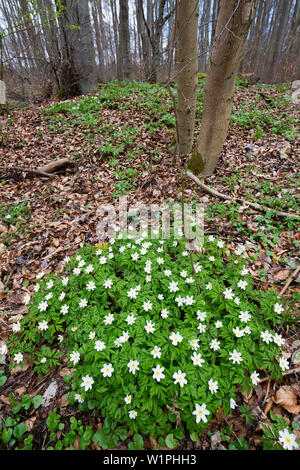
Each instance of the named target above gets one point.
<point>63,215</point>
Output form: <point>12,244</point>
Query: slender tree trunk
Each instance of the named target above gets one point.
<point>214,18</point>
<point>186,68</point>
<point>145,56</point>
<point>78,72</point>
<point>124,41</point>
<point>278,39</point>
<point>99,43</point>
<point>154,32</point>
<point>234,20</point>
<point>202,45</point>
<point>116,36</point>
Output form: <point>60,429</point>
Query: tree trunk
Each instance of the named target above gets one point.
<point>144,39</point>
<point>78,70</point>
<point>99,42</point>
<point>186,68</point>
<point>233,23</point>
<point>278,40</point>
<point>116,36</point>
<point>124,41</point>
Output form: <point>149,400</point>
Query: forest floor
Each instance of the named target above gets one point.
<point>117,142</point>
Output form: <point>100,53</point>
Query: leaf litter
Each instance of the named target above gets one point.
<point>61,214</point>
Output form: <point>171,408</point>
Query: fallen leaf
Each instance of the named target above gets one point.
<point>281,275</point>
<point>269,405</point>
<point>18,369</point>
<point>246,395</point>
<point>76,444</point>
<point>5,399</point>
<point>20,391</point>
<point>66,371</point>
<point>63,402</point>
<point>18,312</point>
<point>287,398</point>
<point>16,318</point>
<point>295,361</point>
<point>30,422</point>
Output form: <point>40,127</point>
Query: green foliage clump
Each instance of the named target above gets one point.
<point>16,218</point>
<point>144,344</point>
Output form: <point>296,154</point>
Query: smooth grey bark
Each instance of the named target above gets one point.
<point>186,69</point>
<point>278,38</point>
<point>124,41</point>
<point>78,74</point>
<point>144,41</point>
<point>99,41</point>
<point>154,32</point>
<point>234,20</point>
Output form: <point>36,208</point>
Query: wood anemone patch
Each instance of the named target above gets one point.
<point>157,340</point>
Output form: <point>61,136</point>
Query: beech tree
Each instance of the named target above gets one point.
<point>64,47</point>
<point>154,30</point>
<point>186,68</point>
<point>233,23</point>
<point>124,41</point>
<point>78,68</point>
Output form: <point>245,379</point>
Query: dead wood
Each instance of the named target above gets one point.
<point>55,165</point>
<point>34,171</point>
<point>46,170</point>
<point>225,197</point>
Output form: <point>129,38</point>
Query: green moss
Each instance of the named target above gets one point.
<point>196,163</point>
<point>60,93</point>
<point>172,145</point>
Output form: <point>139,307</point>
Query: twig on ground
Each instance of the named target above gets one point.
<point>289,280</point>
<point>225,197</point>
<point>289,372</point>
<point>34,171</point>
<point>46,170</point>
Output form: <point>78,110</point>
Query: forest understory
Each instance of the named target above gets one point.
<point>117,143</point>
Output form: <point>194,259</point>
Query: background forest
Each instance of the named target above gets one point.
<point>64,48</point>
<point>138,342</point>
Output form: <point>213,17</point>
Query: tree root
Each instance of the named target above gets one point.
<point>225,197</point>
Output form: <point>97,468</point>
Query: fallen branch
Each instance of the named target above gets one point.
<point>46,170</point>
<point>289,372</point>
<point>55,165</point>
<point>34,171</point>
<point>289,280</point>
<point>225,197</point>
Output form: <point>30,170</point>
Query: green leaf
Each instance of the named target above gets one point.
<point>178,433</point>
<point>15,409</point>
<point>122,433</point>
<point>100,438</point>
<point>58,445</point>
<point>26,402</point>
<point>10,422</point>
<point>295,425</point>
<point>138,442</point>
<point>3,379</point>
<point>69,438</point>
<point>194,436</point>
<point>28,442</point>
<point>91,405</point>
<point>68,378</point>
<point>37,401</point>
<point>19,430</point>
<point>6,435</point>
<point>53,421</point>
<point>171,441</point>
